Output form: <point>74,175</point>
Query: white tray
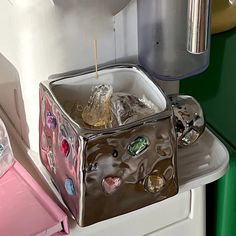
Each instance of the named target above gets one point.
<point>203,162</point>
<point>199,164</point>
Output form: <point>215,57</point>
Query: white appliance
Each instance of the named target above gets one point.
<point>42,37</point>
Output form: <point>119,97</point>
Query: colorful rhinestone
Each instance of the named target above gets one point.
<point>65,147</point>
<point>138,145</point>
<point>69,186</point>
<point>51,121</point>
<point>154,183</point>
<point>111,184</point>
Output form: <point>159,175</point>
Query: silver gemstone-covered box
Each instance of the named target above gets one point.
<point>105,172</point>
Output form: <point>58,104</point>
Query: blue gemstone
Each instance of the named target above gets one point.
<point>69,186</point>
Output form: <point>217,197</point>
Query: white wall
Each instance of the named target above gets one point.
<point>44,37</point>
<point>40,38</point>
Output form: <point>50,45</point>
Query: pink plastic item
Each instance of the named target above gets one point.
<point>25,209</point>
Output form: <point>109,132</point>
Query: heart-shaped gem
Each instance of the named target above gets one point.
<point>111,184</point>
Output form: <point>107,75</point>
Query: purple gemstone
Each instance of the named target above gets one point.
<point>51,121</point>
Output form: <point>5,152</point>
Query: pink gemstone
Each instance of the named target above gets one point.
<point>65,147</point>
<point>111,184</point>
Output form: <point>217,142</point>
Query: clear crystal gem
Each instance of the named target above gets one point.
<point>154,183</point>
<point>127,108</point>
<point>97,112</point>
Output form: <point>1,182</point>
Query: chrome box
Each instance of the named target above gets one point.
<point>94,170</point>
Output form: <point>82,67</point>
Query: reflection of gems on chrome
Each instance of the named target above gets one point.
<point>169,172</point>
<point>2,132</point>
<point>51,121</point>
<point>138,146</point>
<point>51,161</point>
<point>65,147</point>
<point>44,141</point>
<point>189,118</point>
<point>71,140</point>
<point>153,183</point>
<point>190,137</point>
<point>164,151</point>
<point>64,132</point>
<point>43,110</point>
<point>69,186</point>
<point>1,149</point>
<point>92,167</point>
<point>111,184</point>
<point>49,140</point>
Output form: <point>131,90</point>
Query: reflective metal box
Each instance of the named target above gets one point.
<point>103,173</point>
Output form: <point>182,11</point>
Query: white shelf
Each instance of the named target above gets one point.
<point>199,164</point>
<point>203,162</point>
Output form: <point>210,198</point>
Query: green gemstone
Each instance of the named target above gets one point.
<point>138,146</point>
